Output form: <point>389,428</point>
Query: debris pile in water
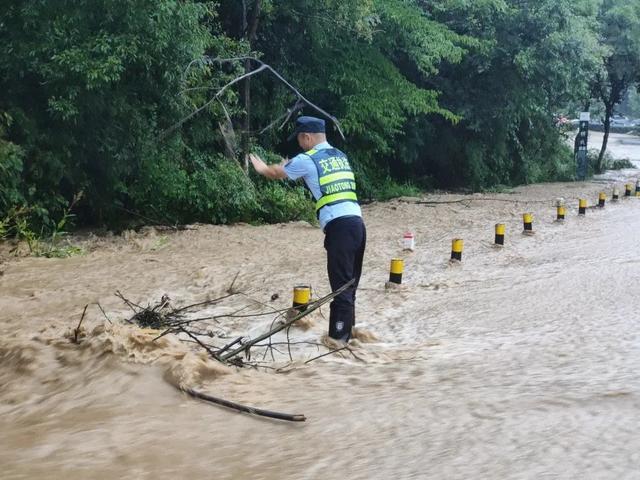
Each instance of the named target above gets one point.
<point>180,321</point>
<point>198,330</point>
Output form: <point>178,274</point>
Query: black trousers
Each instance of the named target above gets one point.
<point>345,240</point>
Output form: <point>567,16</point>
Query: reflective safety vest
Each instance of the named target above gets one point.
<point>337,182</point>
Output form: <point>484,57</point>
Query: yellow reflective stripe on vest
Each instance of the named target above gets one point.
<point>336,197</point>
<point>311,152</point>
<point>334,177</point>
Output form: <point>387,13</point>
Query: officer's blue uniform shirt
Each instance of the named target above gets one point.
<point>301,166</point>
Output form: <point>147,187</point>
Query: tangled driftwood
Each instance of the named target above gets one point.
<point>182,321</point>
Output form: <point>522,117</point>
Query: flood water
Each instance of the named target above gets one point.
<point>518,363</point>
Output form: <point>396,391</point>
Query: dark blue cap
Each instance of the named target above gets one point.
<point>307,125</point>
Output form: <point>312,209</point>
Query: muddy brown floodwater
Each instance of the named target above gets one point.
<point>519,362</point>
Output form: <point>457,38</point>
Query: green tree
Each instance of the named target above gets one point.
<point>619,28</point>
<point>90,84</point>
<point>99,96</point>
<point>365,61</point>
<point>529,60</point>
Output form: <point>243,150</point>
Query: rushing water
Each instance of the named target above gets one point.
<point>520,362</point>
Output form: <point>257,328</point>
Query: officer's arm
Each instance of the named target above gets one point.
<point>270,171</point>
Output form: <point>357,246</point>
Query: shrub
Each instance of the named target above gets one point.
<point>11,157</point>
<point>620,164</point>
<point>210,189</point>
<point>223,194</point>
<point>391,189</point>
<point>281,202</point>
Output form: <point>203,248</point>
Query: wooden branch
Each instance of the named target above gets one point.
<point>176,125</point>
<point>288,344</point>
<point>286,115</point>
<point>164,301</point>
<point>271,347</point>
<point>243,408</point>
<point>246,135</point>
<point>176,324</point>
<point>301,97</point>
<point>206,302</point>
<point>312,307</point>
<point>227,315</point>
<point>188,340</point>
<point>230,290</point>
<point>263,304</point>
<point>103,313</point>
<point>197,340</point>
<point>263,66</point>
<point>327,353</point>
<point>77,330</point>
<point>228,134</point>
<point>228,346</point>
<point>268,349</point>
<point>127,302</point>
<point>301,342</point>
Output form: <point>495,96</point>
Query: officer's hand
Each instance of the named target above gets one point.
<point>261,167</point>
<point>255,160</point>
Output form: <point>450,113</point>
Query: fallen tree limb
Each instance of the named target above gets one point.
<point>215,318</point>
<point>228,346</point>
<point>209,351</point>
<point>76,332</point>
<point>312,307</point>
<point>286,116</point>
<point>206,302</point>
<point>243,408</point>
<point>127,302</point>
<point>261,67</point>
<point>104,313</point>
<point>326,353</point>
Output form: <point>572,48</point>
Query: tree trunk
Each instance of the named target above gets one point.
<point>250,27</point>
<point>607,127</point>
<point>247,117</point>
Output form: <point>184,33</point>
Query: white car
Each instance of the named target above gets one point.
<point>619,121</point>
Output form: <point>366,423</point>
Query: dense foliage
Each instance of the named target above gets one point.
<point>619,32</point>
<point>430,93</point>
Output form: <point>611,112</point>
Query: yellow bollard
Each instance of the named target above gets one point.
<point>301,297</point>
<point>602,199</point>
<point>627,190</point>
<point>500,228</point>
<point>395,271</point>
<point>457,244</point>
<point>527,219</point>
<point>615,195</point>
<point>582,206</point>
<point>560,210</point>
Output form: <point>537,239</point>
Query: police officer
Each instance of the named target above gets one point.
<point>328,175</point>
